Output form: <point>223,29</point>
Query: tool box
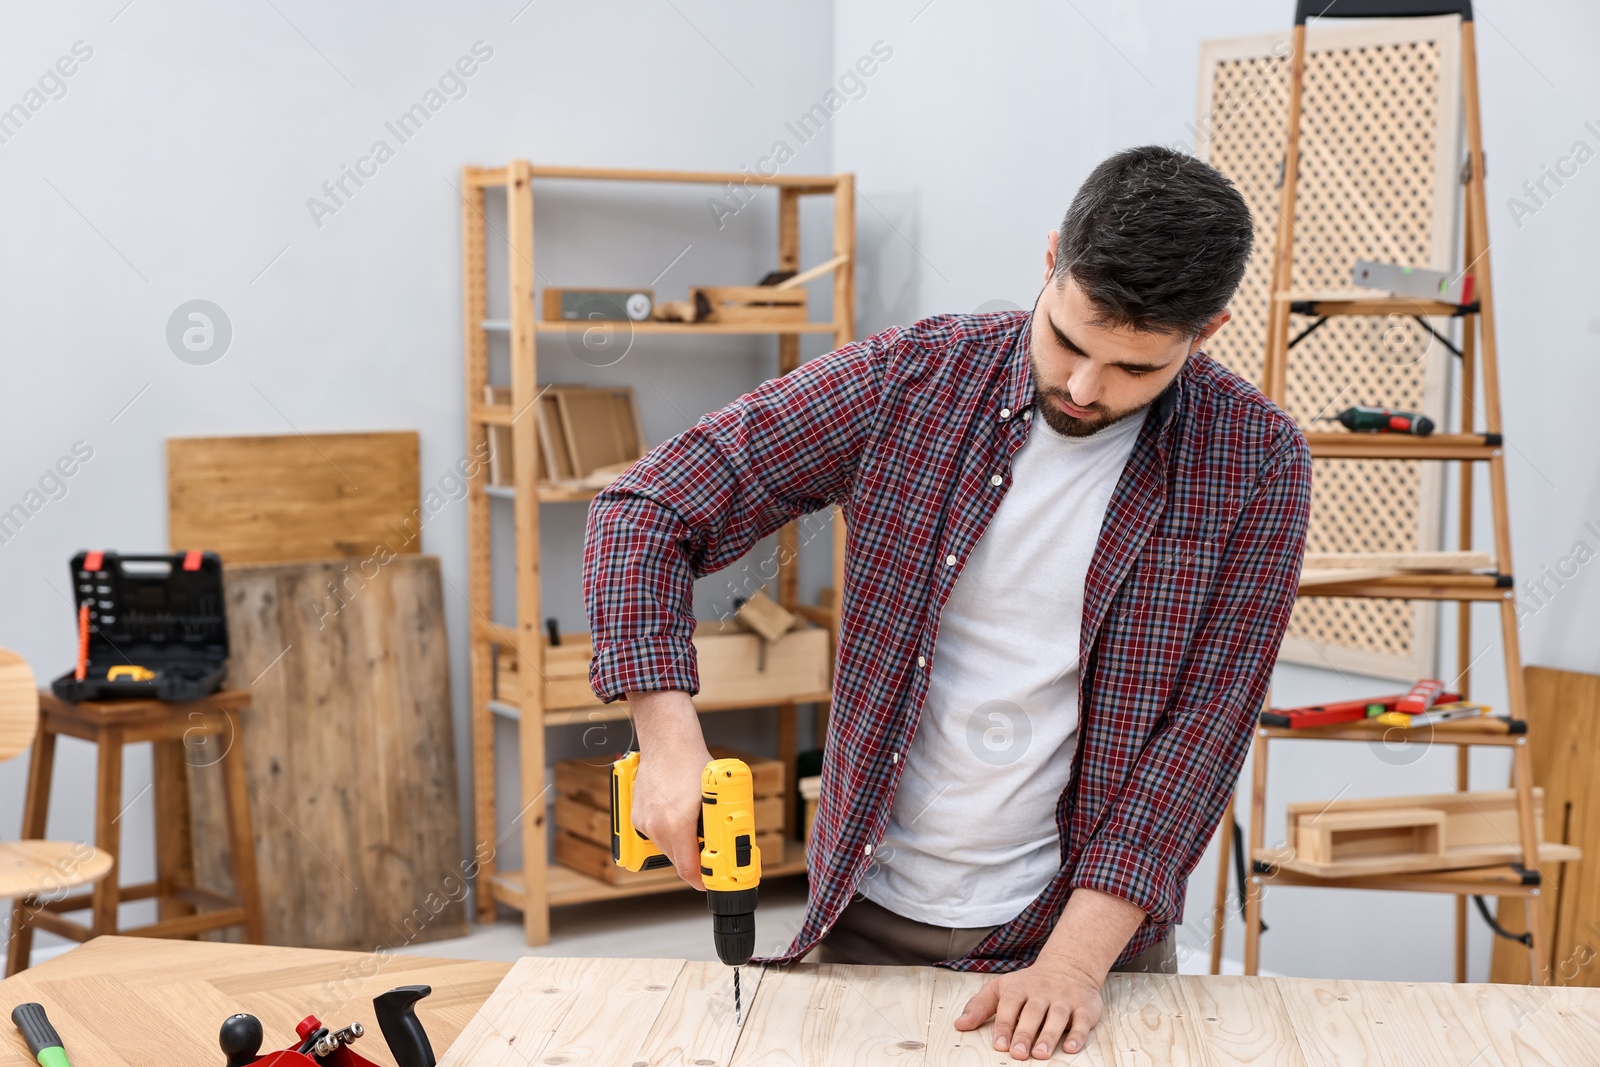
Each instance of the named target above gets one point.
<point>150,627</point>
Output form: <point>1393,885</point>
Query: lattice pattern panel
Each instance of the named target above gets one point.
<point>1378,133</point>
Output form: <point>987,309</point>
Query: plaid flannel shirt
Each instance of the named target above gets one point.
<point>1185,603</point>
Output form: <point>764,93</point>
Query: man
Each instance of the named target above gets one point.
<point>1074,541</point>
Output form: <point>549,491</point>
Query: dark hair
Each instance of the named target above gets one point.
<point>1157,240</point>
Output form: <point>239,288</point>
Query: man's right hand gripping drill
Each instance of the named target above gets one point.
<point>666,793</point>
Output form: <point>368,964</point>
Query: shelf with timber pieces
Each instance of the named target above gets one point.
<point>1466,579</point>
<point>738,669</point>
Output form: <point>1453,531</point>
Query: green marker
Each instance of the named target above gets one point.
<point>42,1039</point>
<point>1374,710</point>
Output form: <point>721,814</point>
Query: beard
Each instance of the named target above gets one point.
<point>1044,402</point>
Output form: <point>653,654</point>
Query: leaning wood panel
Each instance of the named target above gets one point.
<point>1564,732</point>
<point>1379,151</point>
<point>350,754</point>
<point>278,499</point>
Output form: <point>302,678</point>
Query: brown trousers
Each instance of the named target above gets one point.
<point>869,933</point>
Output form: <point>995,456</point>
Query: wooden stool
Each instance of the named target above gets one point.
<point>211,721</point>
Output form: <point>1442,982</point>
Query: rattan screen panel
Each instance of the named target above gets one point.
<point>1378,180</point>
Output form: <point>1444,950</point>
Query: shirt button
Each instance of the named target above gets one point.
<point>922,661</point>
<point>894,757</point>
<point>1005,413</point>
<point>868,850</point>
<point>995,479</point>
<point>949,561</point>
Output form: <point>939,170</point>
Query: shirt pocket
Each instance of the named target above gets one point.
<point>1167,590</point>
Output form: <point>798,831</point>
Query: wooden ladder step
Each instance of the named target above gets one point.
<point>1342,444</point>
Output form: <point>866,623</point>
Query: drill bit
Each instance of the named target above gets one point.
<point>737,1014</point>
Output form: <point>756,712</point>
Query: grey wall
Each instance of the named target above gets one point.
<point>969,153</point>
<point>177,163</point>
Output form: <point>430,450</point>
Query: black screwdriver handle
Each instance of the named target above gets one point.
<point>397,1018</point>
<point>36,1029</point>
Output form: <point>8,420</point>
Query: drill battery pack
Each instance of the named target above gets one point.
<point>155,627</point>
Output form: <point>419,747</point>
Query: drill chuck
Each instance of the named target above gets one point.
<point>733,924</point>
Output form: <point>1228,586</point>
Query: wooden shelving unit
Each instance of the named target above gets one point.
<point>541,885</point>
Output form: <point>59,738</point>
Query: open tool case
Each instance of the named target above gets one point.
<point>161,615</point>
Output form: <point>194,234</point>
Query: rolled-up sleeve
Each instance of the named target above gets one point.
<point>699,501</point>
<point>1160,822</point>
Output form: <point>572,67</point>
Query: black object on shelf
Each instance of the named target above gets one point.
<point>156,627</point>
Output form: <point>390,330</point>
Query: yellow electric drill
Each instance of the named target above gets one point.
<point>730,862</point>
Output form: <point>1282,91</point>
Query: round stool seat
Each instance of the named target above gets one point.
<point>43,868</point>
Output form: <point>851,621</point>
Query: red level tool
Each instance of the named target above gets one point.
<point>1340,712</point>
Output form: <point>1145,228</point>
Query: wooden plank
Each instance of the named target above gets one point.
<point>475,370</point>
<point>276,499</point>
<point>588,1009</point>
<point>1241,1020</point>
<point>1148,1015</point>
<point>803,182</point>
<point>1390,1023</point>
<point>1564,731</point>
<point>696,1027</point>
<point>818,1013</point>
<point>349,754</point>
<point>1400,561</point>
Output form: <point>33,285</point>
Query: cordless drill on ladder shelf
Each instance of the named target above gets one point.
<point>730,861</point>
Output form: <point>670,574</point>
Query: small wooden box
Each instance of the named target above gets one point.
<point>1476,829</point>
<point>1337,836</point>
<point>749,305</point>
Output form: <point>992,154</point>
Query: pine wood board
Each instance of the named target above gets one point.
<point>673,1013</point>
<point>1563,709</point>
<point>132,1002</point>
<point>1404,562</point>
<point>274,499</point>
<point>349,753</point>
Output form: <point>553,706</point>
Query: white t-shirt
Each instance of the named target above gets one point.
<point>971,838</point>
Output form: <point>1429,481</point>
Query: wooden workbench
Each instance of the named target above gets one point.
<point>139,1002</point>
<point>124,1001</point>
<point>672,1013</point>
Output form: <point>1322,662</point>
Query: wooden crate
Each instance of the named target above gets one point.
<point>589,781</point>
<point>810,792</point>
<point>731,672</point>
<point>594,860</point>
<point>749,305</point>
<point>581,819</point>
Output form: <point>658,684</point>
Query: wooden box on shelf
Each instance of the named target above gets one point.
<point>1373,836</point>
<point>732,673</point>
<point>749,305</point>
